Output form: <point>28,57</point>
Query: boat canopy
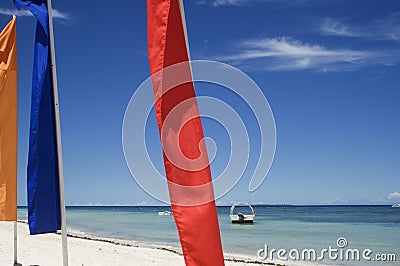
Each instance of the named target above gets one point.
<point>242,203</point>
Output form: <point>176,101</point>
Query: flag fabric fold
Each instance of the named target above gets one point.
<point>44,214</point>
<point>189,179</point>
<point>8,122</point>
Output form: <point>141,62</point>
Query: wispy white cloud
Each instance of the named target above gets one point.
<point>336,28</point>
<point>26,13</point>
<point>389,27</point>
<point>335,201</point>
<point>58,14</point>
<point>381,29</point>
<point>10,12</point>
<point>223,2</point>
<point>285,53</point>
<point>394,196</point>
<point>217,3</point>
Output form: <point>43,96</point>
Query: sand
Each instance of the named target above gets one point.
<point>45,250</point>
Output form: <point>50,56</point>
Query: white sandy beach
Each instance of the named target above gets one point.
<point>45,250</point>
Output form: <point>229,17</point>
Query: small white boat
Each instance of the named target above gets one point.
<point>241,218</point>
<point>396,205</point>
<point>164,213</point>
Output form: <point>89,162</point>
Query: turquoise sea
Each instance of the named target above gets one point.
<point>376,228</point>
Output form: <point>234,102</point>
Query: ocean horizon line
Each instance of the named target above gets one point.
<point>263,205</point>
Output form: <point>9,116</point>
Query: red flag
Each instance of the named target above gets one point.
<point>185,156</point>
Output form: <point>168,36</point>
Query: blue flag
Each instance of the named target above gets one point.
<point>44,214</point>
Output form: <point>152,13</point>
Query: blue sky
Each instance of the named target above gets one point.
<point>329,69</point>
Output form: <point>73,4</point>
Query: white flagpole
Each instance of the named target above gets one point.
<point>15,243</point>
<point>182,9</point>
<point>16,217</point>
<point>58,134</point>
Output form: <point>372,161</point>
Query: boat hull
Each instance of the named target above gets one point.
<point>243,222</point>
<point>247,219</point>
<point>164,213</point>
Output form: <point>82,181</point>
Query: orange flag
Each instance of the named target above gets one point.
<point>185,156</point>
<point>8,122</point>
